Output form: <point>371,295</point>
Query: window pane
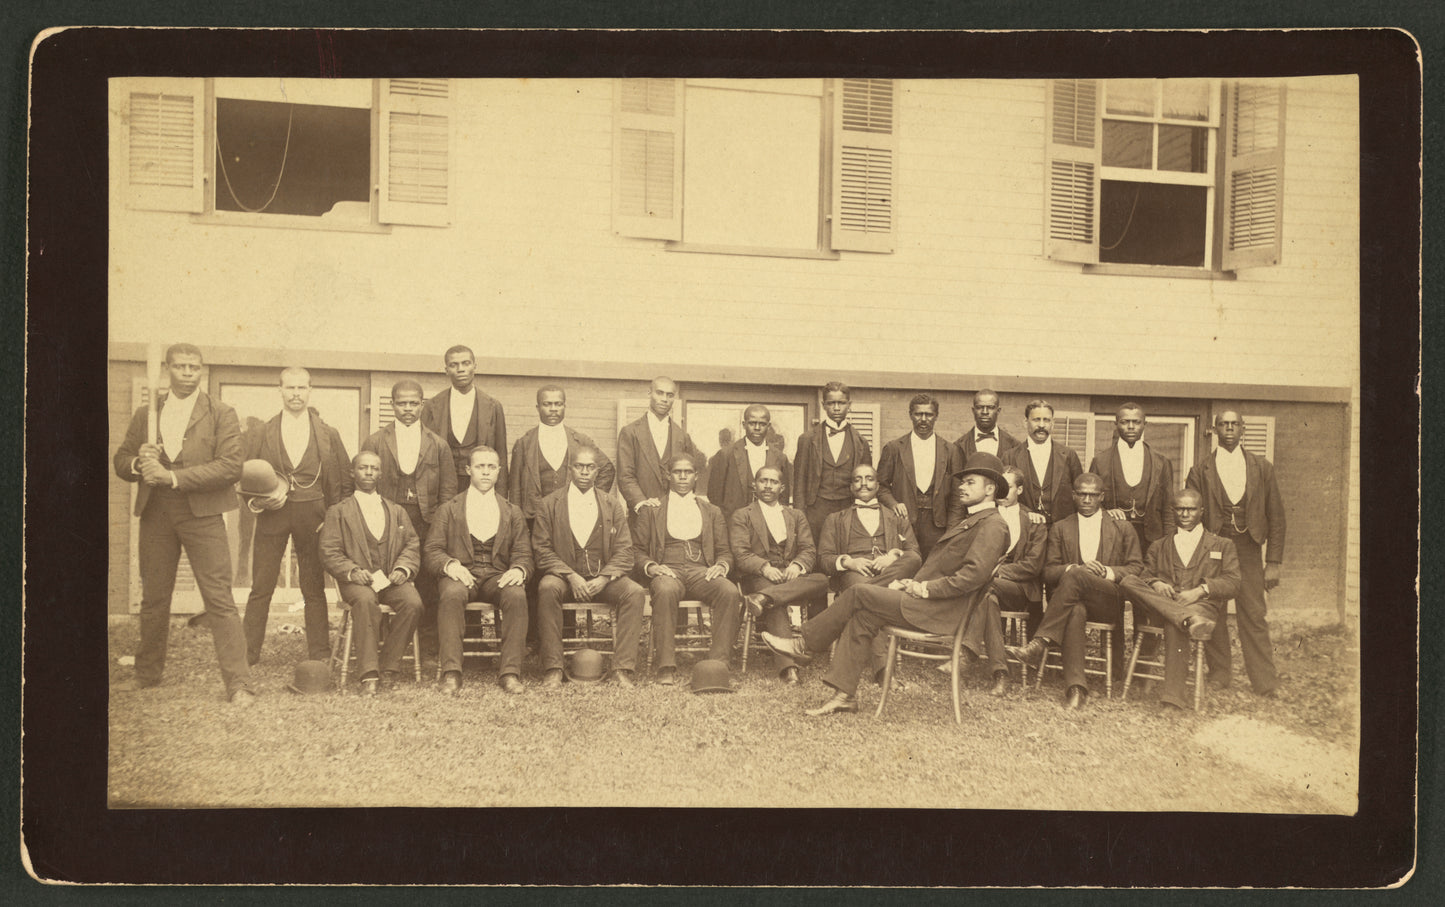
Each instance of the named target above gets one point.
<point>1130,97</point>
<point>751,169</point>
<point>1128,144</point>
<point>293,159</point>
<point>1186,99</point>
<point>1184,148</point>
<point>1152,224</point>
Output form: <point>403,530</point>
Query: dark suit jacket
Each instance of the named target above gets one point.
<point>488,426</point>
<point>1263,506</point>
<point>641,474</point>
<point>263,442</point>
<point>1158,505</point>
<point>729,485</point>
<point>966,446</point>
<point>896,477</point>
<point>833,540</point>
<point>1058,498</point>
<point>344,546</point>
<point>1215,562</point>
<point>436,476</point>
<point>1118,548</point>
<point>449,538</point>
<point>1025,563</point>
<point>554,548</point>
<point>651,536</point>
<point>524,479</point>
<point>958,571</point>
<point>808,463</point>
<point>751,539</point>
<point>210,456</point>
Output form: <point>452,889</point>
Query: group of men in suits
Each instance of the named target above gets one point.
<point>429,515</point>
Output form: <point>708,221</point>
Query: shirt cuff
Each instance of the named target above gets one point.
<point>1109,574</point>
<point>175,480</point>
<point>838,564</point>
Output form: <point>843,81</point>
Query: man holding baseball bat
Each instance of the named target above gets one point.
<point>185,450</point>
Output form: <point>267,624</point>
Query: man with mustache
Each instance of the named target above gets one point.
<point>1049,467</point>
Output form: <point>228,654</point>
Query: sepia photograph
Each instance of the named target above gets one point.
<point>681,438</point>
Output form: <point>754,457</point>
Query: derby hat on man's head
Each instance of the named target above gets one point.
<point>586,666</point>
<point>710,676</point>
<point>988,466</point>
<point>311,677</point>
<point>258,479</point>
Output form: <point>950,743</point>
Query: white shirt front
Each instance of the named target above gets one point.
<point>925,457</point>
<point>1039,454</point>
<point>1186,543</point>
<point>773,517</point>
<point>835,441</point>
<point>463,406</point>
<point>868,516</point>
<point>552,440</point>
<point>1089,529</point>
<point>581,513</point>
<point>684,516</point>
<point>483,514</point>
<point>408,446</point>
<point>1132,461</point>
<point>757,456</point>
<point>374,513</point>
<point>1010,514</point>
<point>172,421</point>
<point>1231,472</point>
<point>986,444</point>
<point>659,429</point>
<point>295,435</point>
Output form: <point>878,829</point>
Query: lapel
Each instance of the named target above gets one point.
<point>1252,476</point>
<point>740,459</point>
<point>388,436</point>
<point>659,524</point>
<point>1069,532</point>
<point>706,537</point>
<point>604,521</point>
<point>1108,536</point>
<point>906,455</point>
<point>963,524</point>
<point>202,407</point>
<point>562,540</point>
<point>759,525</point>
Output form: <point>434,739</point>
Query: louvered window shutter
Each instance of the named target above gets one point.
<point>1072,156</point>
<point>865,161</point>
<point>1258,436</point>
<point>647,158</point>
<point>163,143</point>
<point>417,169</point>
<point>1075,431</point>
<point>1253,175</point>
<point>866,417</point>
<point>382,414</point>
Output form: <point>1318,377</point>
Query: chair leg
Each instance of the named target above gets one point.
<point>747,636</point>
<point>341,635</point>
<point>1198,673</point>
<point>957,648</point>
<point>1108,663</point>
<point>416,654</point>
<point>1133,663</point>
<point>888,674</point>
<point>346,647</point>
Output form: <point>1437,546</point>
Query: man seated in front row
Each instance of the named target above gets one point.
<point>1089,554</point>
<point>1187,581</point>
<point>681,546</point>
<point>947,587</point>
<point>368,544</point>
<point>584,553</point>
<point>481,551</point>
<point>773,548</point>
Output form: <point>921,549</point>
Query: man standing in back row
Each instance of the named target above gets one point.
<point>985,434</point>
<point>646,446</point>
<point>1049,467</point>
<point>827,455</point>
<point>730,481</point>
<point>1138,483</point>
<point>915,473</point>
<point>466,417</point>
<point>1242,503</point>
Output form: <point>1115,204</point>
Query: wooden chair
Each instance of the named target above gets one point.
<point>584,636</point>
<point>1015,633</point>
<point>341,649</point>
<point>930,647</point>
<point>796,616</point>
<point>1095,664</point>
<point>481,646</point>
<point>689,637</point>
<point>1157,663</point>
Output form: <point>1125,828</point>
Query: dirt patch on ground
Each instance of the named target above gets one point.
<point>1307,764</point>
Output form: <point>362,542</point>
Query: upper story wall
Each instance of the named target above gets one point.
<point>531,268</point>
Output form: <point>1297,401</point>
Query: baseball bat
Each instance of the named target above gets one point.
<point>153,377</point>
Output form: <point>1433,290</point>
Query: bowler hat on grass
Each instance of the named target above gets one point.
<point>311,677</point>
<point>710,676</point>
<point>586,666</point>
<point>988,466</point>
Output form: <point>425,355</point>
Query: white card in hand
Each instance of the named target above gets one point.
<point>379,581</point>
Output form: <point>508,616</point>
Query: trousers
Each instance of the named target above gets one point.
<point>854,620</point>
<point>622,595</point>
<point>1080,596</point>
<point>1250,614</point>
<point>299,521</point>
<point>1171,615</point>
<point>366,617</point>
<point>721,597</point>
<point>452,599</point>
<point>806,590</point>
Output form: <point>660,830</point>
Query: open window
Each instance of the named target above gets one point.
<point>328,153</point>
<point>1179,173</point>
<point>799,167</point>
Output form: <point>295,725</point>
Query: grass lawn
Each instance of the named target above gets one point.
<point>182,745</point>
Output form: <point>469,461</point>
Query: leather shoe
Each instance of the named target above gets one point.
<point>511,683</point>
<point>789,676</point>
<point>243,698</point>
<point>451,683</point>
<point>789,646</point>
<point>389,680</point>
<point>1074,699</point>
<point>755,604</point>
<point>1200,628</point>
<point>370,685</point>
<point>552,680</point>
<point>667,676</point>
<point>1031,654</point>
<point>624,679</point>
<point>841,702</point>
<point>1000,684</point>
